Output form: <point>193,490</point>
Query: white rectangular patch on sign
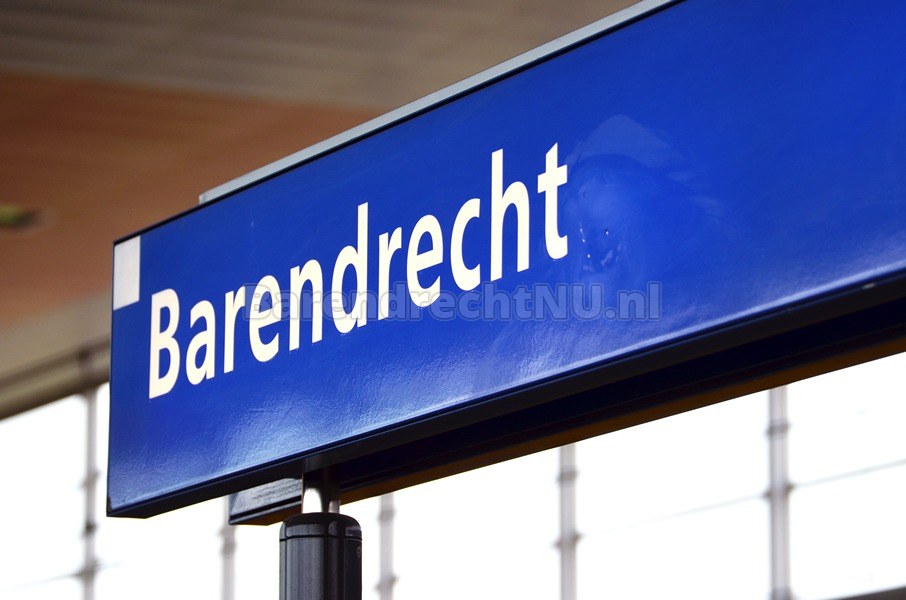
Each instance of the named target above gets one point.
<point>126,270</point>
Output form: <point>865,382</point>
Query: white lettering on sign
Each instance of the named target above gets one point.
<point>426,248</point>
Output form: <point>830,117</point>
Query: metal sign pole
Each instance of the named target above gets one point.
<point>320,551</point>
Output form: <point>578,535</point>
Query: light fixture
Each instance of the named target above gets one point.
<point>17,218</point>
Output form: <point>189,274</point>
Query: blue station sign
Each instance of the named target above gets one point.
<point>680,169</point>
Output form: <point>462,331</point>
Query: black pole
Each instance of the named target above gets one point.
<point>321,552</point>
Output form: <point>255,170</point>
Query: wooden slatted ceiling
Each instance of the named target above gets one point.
<point>377,54</point>
<point>102,160</point>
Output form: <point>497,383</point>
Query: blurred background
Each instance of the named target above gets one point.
<point>115,115</point>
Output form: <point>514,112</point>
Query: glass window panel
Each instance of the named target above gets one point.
<point>166,541</point>
<point>489,533</point>
<point>257,564</point>
<point>706,456</point>
<point>847,420</point>
<point>181,575</point>
<point>173,555</point>
<point>42,467</point>
<point>366,512</point>
<point>66,588</point>
<point>848,536</point>
<point>102,413</point>
<point>716,553</point>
